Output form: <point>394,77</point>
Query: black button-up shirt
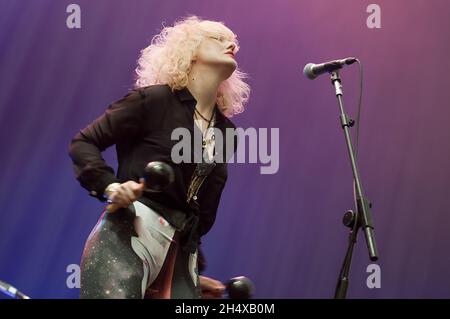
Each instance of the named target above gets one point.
<point>140,125</point>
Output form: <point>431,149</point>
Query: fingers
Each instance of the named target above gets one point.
<point>126,193</point>
<point>129,192</point>
<point>211,288</point>
<point>137,189</point>
<point>118,198</point>
<point>123,195</point>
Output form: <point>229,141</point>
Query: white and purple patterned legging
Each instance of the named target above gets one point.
<point>135,253</point>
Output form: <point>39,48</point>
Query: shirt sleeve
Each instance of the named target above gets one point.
<point>121,121</point>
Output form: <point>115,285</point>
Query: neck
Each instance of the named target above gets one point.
<point>203,84</point>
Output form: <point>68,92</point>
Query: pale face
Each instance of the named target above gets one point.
<point>218,48</point>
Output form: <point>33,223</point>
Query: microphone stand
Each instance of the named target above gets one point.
<point>362,218</point>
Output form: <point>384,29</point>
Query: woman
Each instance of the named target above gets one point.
<point>187,77</point>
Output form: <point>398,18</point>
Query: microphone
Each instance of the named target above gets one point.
<point>312,71</point>
<point>11,291</point>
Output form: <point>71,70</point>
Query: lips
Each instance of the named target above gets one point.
<point>230,53</point>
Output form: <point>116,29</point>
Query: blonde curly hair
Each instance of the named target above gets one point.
<point>168,59</point>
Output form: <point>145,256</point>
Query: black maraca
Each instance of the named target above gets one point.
<point>157,177</point>
<point>239,288</point>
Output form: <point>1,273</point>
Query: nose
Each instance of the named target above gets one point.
<point>231,46</point>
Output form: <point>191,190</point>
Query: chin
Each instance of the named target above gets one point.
<point>231,63</point>
<point>226,66</point>
<point>229,69</point>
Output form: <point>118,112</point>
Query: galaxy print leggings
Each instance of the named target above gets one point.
<point>134,253</point>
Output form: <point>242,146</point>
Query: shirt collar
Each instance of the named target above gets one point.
<point>186,96</point>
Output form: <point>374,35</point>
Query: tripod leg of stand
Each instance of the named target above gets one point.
<point>342,284</point>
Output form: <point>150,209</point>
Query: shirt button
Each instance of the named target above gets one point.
<point>93,193</point>
<point>195,197</point>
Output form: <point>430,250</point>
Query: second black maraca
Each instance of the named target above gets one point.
<point>240,288</point>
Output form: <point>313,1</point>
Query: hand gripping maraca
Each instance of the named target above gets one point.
<point>157,176</point>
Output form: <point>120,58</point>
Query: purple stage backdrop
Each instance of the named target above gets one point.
<point>283,230</point>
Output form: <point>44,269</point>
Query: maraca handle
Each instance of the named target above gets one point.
<point>112,208</point>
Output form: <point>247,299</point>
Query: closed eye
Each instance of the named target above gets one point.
<point>220,39</point>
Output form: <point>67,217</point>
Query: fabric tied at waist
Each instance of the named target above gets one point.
<point>190,239</point>
<point>187,223</point>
